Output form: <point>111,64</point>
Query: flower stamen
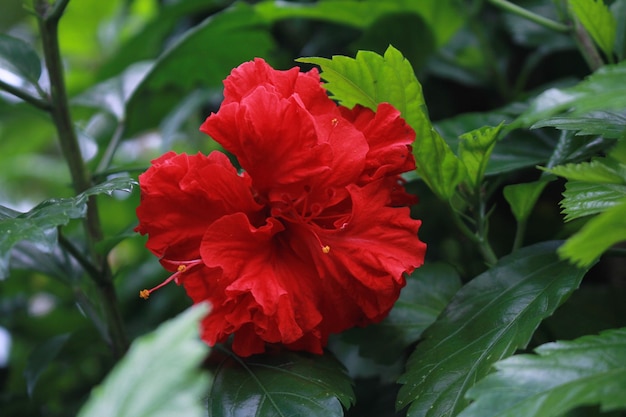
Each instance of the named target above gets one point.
<point>182,267</point>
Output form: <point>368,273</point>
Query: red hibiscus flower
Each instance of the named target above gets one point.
<point>312,237</point>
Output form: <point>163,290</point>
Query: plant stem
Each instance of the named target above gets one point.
<point>479,237</point>
<point>527,14</point>
<point>520,231</point>
<point>24,95</point>
<point>48,19</point>
<point>587,48</point>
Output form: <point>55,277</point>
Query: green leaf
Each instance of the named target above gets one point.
<point>40,358</point>
<point>600,170</point>
<point>111,95</point>
<point>40,224</point>
<point>159,376</point>
<point>522,197</point>
<point>487,320</point>
<point>203,56</point>
<point>560,377</point>
<point>610,125</point>
<point>370,79</point>
<point>517,149</point>
<point>597,19</point>
<point>604,90</point>
<point>19,58</point>
<point>475,149</point>
<point>362,14</point>
<point>280,384</point>
<point>596,236</point>
<point>427,292</point>
<point>582,199</point>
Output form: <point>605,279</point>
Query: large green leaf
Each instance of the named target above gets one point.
<point>40,224</point>
<point>370,79</point>
<point>202,57</point>
<point>598,21</point>
<point>560,377</point>
<point>487,320</point>
<point>428,290</point>
<point>362,14</point>
<point>19,58</point>
<point>159,376</point>
<point>280,384</point>
<point>604,90</point>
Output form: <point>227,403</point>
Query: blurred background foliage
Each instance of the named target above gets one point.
<point>143,74</point>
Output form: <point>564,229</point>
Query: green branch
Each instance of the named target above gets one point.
<point>24,95</point>
<point>48,19</point>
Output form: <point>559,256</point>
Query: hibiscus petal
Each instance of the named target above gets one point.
<point>181,195</point>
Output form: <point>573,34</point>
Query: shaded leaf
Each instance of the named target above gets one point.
<point>611,125</point>
<point>604,90</point>
<point>111,95</point>
<point>487,320</point>
<point>618,8</point>
<point>40,358</point>
<point>362,14</point>
<point>19,58</point>
<point>428,291</point>
<point>39,224</point>
<point>582,199</point>
<point>475,148</point>
<point>522,197</point>
<point>280,384</point>
<point>596,236</point>
<point>560,377</point>
<point>598,21</point>
<point>159,376</point>
<point>370,79</point>
<point>202,57</point>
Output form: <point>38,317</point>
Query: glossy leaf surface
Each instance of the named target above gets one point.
<point>159,376</point>
<point>487,320</point>
<point>560,377</point>
<point>279,384</point>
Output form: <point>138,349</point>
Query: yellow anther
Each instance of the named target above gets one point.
<point>181,268</point>
<point>144,294</point>
<point>325,249</point>
<point>334,122</point>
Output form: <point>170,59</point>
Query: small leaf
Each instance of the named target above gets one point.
<point>475,149</point>
<point>596,236</point>
<point>19,58</point>
<point>370,79</point>
<point>159,376</point>
<point>582,199</point>
<point>597,19</point>
<point>40,358</point>
<point>39,225</point>
<point>522,197</point>
<point>280,384</point>
<point>560,377</point>
<point>487,320</point>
